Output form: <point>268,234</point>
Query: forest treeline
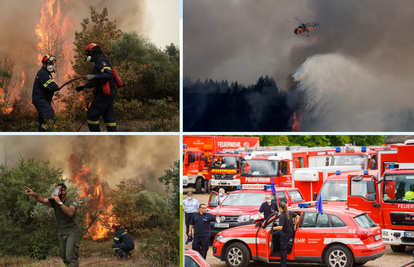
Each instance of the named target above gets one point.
<point>220,106</point>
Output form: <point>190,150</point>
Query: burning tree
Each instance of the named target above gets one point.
<point>97,212</point>
<point>54,36</point>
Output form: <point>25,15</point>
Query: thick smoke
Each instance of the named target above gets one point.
<point>355,71</point>
<point>118,157</point>
<point>19,18</point>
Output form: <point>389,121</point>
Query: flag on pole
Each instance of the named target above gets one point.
<point>273,187</point>
<point>319,205</point>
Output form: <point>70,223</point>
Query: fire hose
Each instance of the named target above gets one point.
<point>74,79</point>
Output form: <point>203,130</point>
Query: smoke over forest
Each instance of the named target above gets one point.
<point>351,74</point>
<point>118,157</point>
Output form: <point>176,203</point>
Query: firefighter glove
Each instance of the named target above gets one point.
<point>90,77</point>
<point>80,88</point>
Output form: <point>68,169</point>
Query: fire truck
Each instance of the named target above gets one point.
<point>210,145</point>
<point>338,237</point>
<point>225,169</point>
<point>365,157</point>
<point>194,164</point>
<point>389,200</point>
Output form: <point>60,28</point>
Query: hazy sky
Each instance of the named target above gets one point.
<point>356,71</point>
<point>118,157</point>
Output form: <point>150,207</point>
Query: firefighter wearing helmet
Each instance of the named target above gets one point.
<point>123,242</point>
<point>102,79</point>
<point>43,90</point>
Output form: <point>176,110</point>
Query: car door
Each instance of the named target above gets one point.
<point>311,234</point>
<point>264,239</point>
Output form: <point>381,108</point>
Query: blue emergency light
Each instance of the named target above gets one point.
<point>185,146</point>
<point>239,187</point>
<point>338,172</point>
<point>237,152</point>
<point>391,166</point>
<point>275,154</point>
<point>307,204</point>
<point>365,172</point>
<point>268,187</point>
<point>218,151</point>
<point>338,149</point>
<point>250,153</point>
<point>364,149</point>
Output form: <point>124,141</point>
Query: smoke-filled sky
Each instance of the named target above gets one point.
<point>355,70</point>
<point>156,19</point>
<point>119,157</point>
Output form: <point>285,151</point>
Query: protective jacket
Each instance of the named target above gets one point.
<point>43,89</point>
<point>122,237</point>
<point>102,105</point>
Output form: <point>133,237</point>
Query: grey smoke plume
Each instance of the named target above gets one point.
<point>355,70</point>
<point>118,157</point>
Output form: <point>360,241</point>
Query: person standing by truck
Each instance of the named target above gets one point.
<point>201,224</point>
<point>268,207</point>
<point>191,206</point>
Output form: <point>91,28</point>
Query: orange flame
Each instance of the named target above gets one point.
<point>23,79</point>
<point>91,186</point>
<point>296,123</point>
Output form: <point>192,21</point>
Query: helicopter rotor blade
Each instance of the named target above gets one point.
<point>299,21</point>
<point>291,21</point>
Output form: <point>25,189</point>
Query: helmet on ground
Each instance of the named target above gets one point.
<point>48,58</point>
<point>116,226</point>
<point>91,47</point>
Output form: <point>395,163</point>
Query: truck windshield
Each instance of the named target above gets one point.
<point>398,188</point>
<point>334,191</point>
<point>224,162</point>
<point>259,168</point>
<point>349,160</point>
<point>244,199</point>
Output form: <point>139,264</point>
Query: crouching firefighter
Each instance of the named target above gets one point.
<point>123,242</point>
<point>102,79</point>
<point>67,225</point>
<point>43,90</point>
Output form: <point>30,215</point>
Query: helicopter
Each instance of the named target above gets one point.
<point>304,27</point>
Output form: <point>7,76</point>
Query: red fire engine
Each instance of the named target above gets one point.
<point>389,199</point>
<point>225,169</point>
<point>210,145</point>
<point>338,237</point>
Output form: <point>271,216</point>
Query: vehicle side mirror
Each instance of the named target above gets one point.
<point>259,224</point>
<point>213,204</point>
<point>371,187</point>
<point>315,195</point>
<point>372,197</point>
<point>238,171</point>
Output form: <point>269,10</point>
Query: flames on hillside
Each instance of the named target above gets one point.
<point>92,186</point>
<point>296,122</point>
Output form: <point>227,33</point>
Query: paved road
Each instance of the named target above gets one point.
<point>390,258</point>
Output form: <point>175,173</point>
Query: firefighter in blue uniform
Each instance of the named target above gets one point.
<point>123,242</point>
<point>103,104</point>
<point>43,90</point>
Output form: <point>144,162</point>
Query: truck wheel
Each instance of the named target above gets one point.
<point>237,255</point>
<point>400,248</point>
<point>199,185</point>
<point>338,256</point>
